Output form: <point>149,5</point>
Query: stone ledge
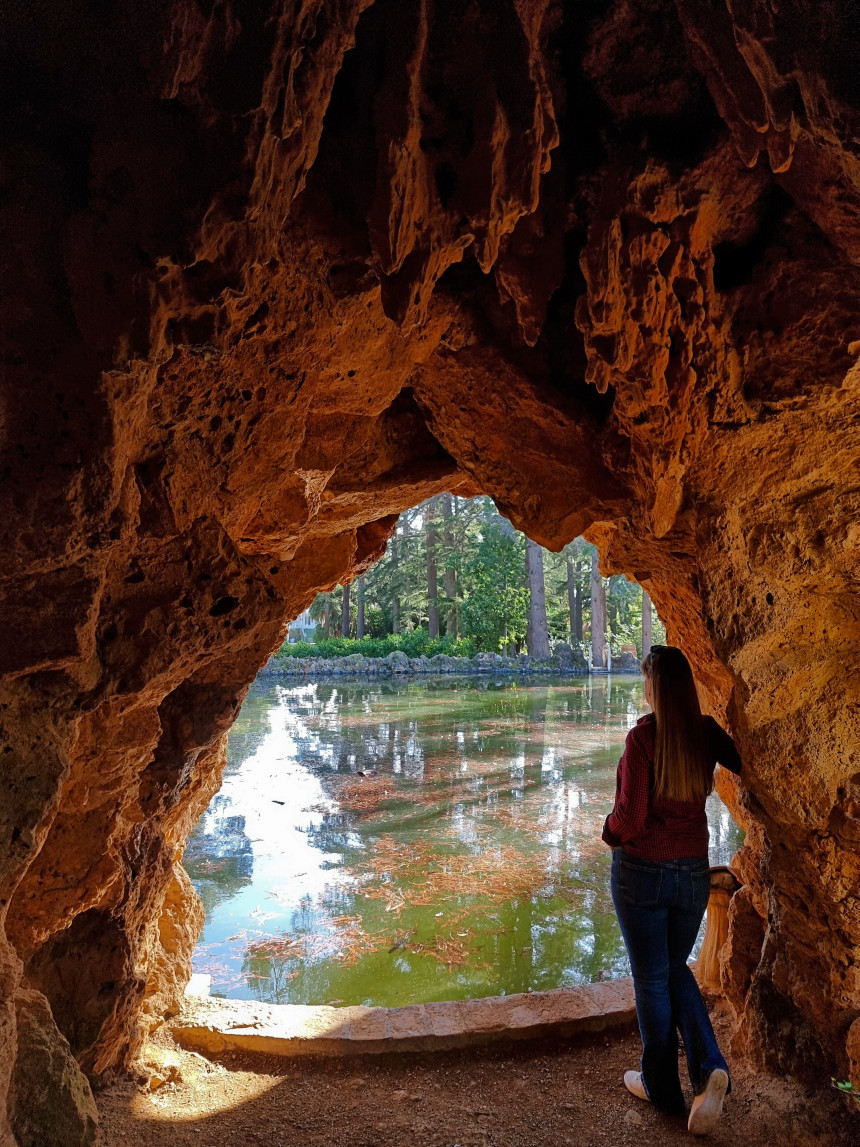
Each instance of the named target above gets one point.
<point>213,1025</point>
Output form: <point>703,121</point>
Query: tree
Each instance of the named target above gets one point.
<point>496,602</point>
<point>538,639</point>
<point>624,604</point>
<point>359,620</point>
<point>646,624</point>
<point>567,577</point>
<point>456,566</point>
<point>574,602</point>
<point>449,545</point>
<point>345,618</point>
<point>321,611</point>
<point>395,588</point>
<point>432,579</point>
<point>598,616</point>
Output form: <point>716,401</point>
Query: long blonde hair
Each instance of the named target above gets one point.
<point>683,770</point>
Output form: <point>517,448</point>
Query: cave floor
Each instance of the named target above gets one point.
<point>520,1095</point>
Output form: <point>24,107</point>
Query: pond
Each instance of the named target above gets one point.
<point>401,842</point>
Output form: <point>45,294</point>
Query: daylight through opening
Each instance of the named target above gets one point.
<point>413,812</point>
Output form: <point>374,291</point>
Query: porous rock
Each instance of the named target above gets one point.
<point>179,924</point>
<point>51,1101</point>
<point>741,952</point>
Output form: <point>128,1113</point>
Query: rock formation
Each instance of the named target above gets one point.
<point>275,271</point>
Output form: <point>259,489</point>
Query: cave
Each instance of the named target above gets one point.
<point>275,272</point>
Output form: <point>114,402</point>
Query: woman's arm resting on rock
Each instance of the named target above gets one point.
<point>723,747</point>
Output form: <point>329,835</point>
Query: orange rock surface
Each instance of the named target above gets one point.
<point>275,272</point>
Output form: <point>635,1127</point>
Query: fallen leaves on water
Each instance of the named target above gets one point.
<point>420,876</point>
<point>346,943</point>
<point>349,940</point>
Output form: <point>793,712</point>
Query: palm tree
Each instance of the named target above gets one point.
<point>321,611</point>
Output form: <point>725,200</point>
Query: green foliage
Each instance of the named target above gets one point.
<point>847,1088</point>
<point>624,609</point>
<point>496,609</point>
<point>482,556</point>
<point>374,621</point>
<point>414,644</point>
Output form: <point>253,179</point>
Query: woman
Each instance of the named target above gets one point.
<point>658,832</point>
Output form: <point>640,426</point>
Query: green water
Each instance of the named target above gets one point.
<point>469,865</point>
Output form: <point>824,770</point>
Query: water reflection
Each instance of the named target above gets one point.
<point>387,842</point>
<point>219,857</point>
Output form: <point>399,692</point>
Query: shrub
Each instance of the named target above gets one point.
<point>847,1088</point>
<point>374,621</point>
<point>415,644</point>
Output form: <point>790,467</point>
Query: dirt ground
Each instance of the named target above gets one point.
<point>521,1095</point>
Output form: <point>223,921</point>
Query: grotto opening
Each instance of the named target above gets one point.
<point>274,272</point>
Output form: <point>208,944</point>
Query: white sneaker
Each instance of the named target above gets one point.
<point>708,1107</point>
<point>633,1083</point>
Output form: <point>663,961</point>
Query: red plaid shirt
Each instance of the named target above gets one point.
<point>660,829</point>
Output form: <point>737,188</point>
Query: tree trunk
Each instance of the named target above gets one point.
<point>450,571</point>
<point>598,616</point>
<point>395,600</point>
<point>430,511</point>
<point>359,621</point>
<point>538,639</point>
<point>611,613</point>
<point>574,603</point>
<point>646,624</point>
<point>345,620</point>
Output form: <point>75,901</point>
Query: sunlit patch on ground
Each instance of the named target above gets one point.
<point>161,1105</point>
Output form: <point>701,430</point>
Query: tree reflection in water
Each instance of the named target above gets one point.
<point>219,857</point>
<point>436,840</point>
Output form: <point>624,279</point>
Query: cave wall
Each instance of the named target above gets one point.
<point>276,272</point>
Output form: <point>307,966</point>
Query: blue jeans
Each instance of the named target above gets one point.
<point>660,905</point>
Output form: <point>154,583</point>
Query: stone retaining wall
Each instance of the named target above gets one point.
<point>215,1025</point>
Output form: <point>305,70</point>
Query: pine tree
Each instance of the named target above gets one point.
<point>449,548</point>
<point>345,618</point>
<point>646,624</point>
<point>395,587</point>
<point>491,580</point>
<point>598,616</point>
<point>538,639</point>
<point>359,620</point>
<point>432,579</point>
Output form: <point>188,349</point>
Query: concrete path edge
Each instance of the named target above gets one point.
<point>215,1025</point>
